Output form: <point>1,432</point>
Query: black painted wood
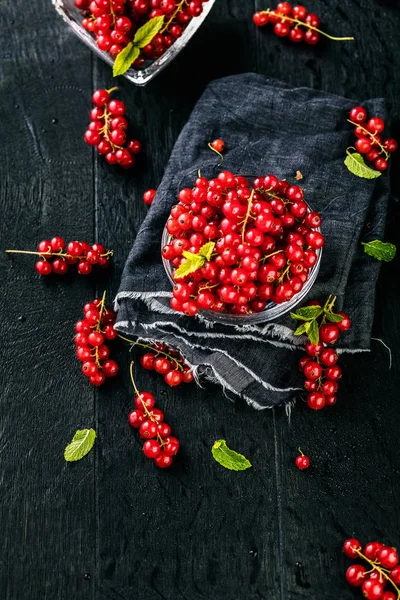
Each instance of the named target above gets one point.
<point>110,526</point>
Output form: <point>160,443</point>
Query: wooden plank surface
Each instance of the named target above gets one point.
<point>111,527</point>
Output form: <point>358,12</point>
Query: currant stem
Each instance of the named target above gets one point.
<point>302,453</point>
<point>176,12</point>
<point>379,569</point>
<point>145,409</point>
<point>247,214</point>
<point>113,89</point>
<point>372,135</point>
<point>132,379</point>
<point>178,364</point>
<point>219,154</point>
<point>285,18</point>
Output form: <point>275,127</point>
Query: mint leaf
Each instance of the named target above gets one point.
<point>207,249</point>
<point>313,332</point>
<point>125,59</point>
<point>356,165</point>
<point>81,444</point>
<point>303,328</point>
<point>380,250</point>
<point>307,313</point>
<point>333,317</point>
<point>145,34</point>
<point>192,263</point>
<point>228,458</point>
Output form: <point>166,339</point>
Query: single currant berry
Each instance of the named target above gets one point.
<point>302,461</point>
<point>363,145</point>
<point>145,399</point>
<point>95,338</point>
<point>151,448</point>
<point>110,368</point>
<point>345,323</point>
<point>389,596</point>
<point>328,357</point>
<point>109,332</point>
<point>388,557</point>
<point>329,333</point>
<point>390,145</point>
<point>313,349</point>
<point>163,460</point>
<point>148,429</point>
<point>171,445</point>
<point>395,575</point>
<point>381,164</point>
<point>218,145</point>
<point>100,97</point>
<point>351,547</point>
<point>173,378</point>
<point>376,125</point>
<point>147,361</point>
<point>260,19</point>
<point>89,368</point>
<point>316,400</point>
<point>43,267</point>
<point>355,575</point>
<point>148,196</point>
<point>157,415</point>
<point>312,370</point>
<point>372,590</point>
<point>358,114</point>
<point>97,379</point>
<point>370,550</point>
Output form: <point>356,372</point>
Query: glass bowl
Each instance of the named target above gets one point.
<point>73,17</point>
<point>272,310</point>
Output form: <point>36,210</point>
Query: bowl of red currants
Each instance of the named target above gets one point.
<point>108,26</point>
<point>241,249</point>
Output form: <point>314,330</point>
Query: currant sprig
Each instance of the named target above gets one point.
<point>323,327</point>
<point>385,568</point>
<point>164,360</point>
<point>92,331</point>
<point>288,21</point>
<point>159,445</point>
<point>54,260</point>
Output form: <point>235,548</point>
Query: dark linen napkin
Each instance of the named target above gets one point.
<point>268,127</point>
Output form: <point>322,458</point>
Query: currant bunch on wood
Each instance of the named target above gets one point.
<point>382,569</point>
<point>235,246</point>
<point>319,364</point>
<point>370,141</point>
<point>55,256</point>
<point>160,445</point>
<point>107,130</point>
<point>115,22</point>
<point>92,333</point>
<point>295,23</point>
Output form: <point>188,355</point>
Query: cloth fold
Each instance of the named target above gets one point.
<point>268,127</point>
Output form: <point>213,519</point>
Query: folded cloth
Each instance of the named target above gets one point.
<point>268,127</point>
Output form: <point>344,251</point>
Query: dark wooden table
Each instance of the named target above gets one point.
<point>113,527</point>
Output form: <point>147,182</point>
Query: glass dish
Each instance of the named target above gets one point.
<point>73,17</point>
<point>272,310</point>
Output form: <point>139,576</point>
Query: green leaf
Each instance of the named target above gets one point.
<point>229,458</point>
<point>380,250</point>
<point>190,265</point>
<point>333,317</point>
<point>81,444</point>
<point>125,59</point>
<point>307,313</point>
<point>303,328</point>
<point>207,249</point>
<point>313,332</point>
<point>356,165</point>
<point>145,34</point>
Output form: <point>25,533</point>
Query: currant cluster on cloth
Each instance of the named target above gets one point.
<point>166,361</point>
<point>293,22</point>
<point>53,258</point>
<point>369,139</point>
<point>382,569</point>
<point>319,364</point>
<point>114,23</point>
<point>92,331</point>
<point>265,245</point>
<point>160,445</point>
<point>107,130</point>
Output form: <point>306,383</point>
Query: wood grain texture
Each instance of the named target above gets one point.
<point>111,527</point>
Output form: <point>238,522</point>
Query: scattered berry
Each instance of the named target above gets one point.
<point>148,196</point>
<point>302,461</point>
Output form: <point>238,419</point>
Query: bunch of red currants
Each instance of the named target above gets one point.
<point>168,362</point>
<point>369,139</point>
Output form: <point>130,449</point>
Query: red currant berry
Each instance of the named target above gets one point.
<point>110,368</point>
<point>333,373</point>
<point>148,429</point>
<point>372,590</point>
<point>145,399</point>
<point>89,368</point>
<point>355,575</point>
<point>157,415</point>
<point>389,596</point>
<point>376,125</point>
<point>163,460</point>
<point>173,378</point>
<point>316,400</point>
<point>358,114</point>
<point>381,164</point>
<point>329,333</point>
<point>59,266</point>
<point>95,338</point>
<point>83,353</point>
<point>302,462</point>
<point>312,37</point>
<point>116,108</point>
<point>313,349</point>
<point>299,12</point>
<point>151,448</point>
<point>100,97</point>
<point>171,445</point>
<point>312,370</point>
<point>363,145</point>
<point>390,145</point>
<point>388,557</point>
<point>260,19</point>
<point>350,547</point>
<point>147,361</point>
<point>394,574</point>
<point>328,357</point>
<point>81,339</point>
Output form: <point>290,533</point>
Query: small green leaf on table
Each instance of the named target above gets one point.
<point>228,458</point>
<point>380,250</point>
<point>81,444</point>
<point>356,165</point>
